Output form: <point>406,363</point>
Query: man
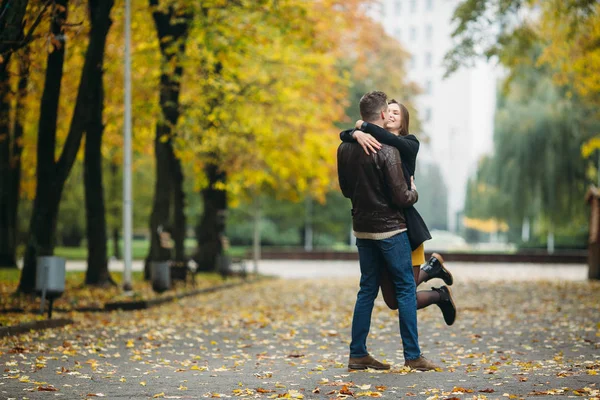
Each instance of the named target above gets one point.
<point>378,190</point>
<point>396,133</point>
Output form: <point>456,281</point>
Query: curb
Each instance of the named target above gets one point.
<point>144,304</point>
<point>537,257</point>
<point>35,325</point>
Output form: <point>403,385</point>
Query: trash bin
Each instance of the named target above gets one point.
<point>50,275</point>
<point>160,274</point>
<point>49,279</point>
<point>224,265</point>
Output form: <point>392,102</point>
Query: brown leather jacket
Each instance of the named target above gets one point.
<point>376,185</point>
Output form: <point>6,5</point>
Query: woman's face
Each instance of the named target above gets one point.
<point>393,122</point>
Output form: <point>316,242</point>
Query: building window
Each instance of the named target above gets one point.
<point>428,59</point>
<point>413,33</point>
<point>428,114</point>
<point>429,33</point>
<point>413,6</point>
<point>429,5</point>
<point>428,89</point>
<point>398,7</point>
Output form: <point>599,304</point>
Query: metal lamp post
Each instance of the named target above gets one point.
<point>127,198</point>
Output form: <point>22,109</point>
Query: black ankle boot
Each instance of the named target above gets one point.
<point>446,304</point>
<point>434,268</point>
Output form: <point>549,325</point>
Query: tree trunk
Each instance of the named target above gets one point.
<point>97,270</point>
<point>7,245</point>
<point>12,15</point>
<point>256,233</point>
<point>51,175</point>
<point>179,224</point>
<point>47,194</point>
<point>172,29</point>
<point>212,224</point>
<point>116,247</point>
<point>161,204</point>
<point>114,209</point>
<point>14,190</point>
<point>308,229</point>
<point>11,32</point>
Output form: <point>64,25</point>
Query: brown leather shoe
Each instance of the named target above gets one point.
<point>421,364</point>
<point>388,290</point>
<point>366,362</point>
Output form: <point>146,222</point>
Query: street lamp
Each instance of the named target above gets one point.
<point>127,200</point>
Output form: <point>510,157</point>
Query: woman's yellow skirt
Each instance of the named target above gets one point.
<point>418,256</point>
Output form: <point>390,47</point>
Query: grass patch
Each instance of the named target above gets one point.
<point>78,296</point>
<point>139,250</point>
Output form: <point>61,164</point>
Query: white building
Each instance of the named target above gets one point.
<point>457,112</point>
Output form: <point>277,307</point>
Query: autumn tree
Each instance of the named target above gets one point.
<point>539,187</point>
<point>11,21</point>
<point>172,20</point>
<point>17,25</point>
<point>51,174</point>
<point>97,269</point>
<point>267,94</point>
<point>549,102</point>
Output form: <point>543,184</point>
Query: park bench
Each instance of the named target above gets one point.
<point>178,271</point>
<point>183,271</point>
<point>229,266</point>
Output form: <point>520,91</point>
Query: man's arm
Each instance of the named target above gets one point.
<point>366,141</point>
<point>346,136</point>
<point>346,190</point>
<point>402,195</point>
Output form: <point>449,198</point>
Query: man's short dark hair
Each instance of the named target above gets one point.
<point>371,104</point>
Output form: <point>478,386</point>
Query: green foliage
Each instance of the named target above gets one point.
<point>433,196</point>
<point>283,222</point>
<point>536,171</point>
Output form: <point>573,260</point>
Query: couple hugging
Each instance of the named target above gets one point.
<point>376,166</point>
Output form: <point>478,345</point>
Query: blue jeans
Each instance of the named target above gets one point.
<point>375,255</point>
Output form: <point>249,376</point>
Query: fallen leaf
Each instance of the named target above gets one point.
<point>345,390</point>
<point>48,388</point>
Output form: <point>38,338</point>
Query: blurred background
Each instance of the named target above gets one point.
<point>236,110</point>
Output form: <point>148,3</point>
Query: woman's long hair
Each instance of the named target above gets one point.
<point>405,117</point>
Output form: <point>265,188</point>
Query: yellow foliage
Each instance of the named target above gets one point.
<point>588,148</point>
<point>487,225</point>
<point>572,46</point>
<point>261,90</point>
<point>261,101</point>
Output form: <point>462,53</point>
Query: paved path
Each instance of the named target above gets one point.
<point>288,338</point>
<point>291,269</point>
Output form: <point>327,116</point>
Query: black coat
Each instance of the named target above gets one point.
<point>408,146</point>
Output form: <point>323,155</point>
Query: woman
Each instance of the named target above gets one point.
<point>369,137</point>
